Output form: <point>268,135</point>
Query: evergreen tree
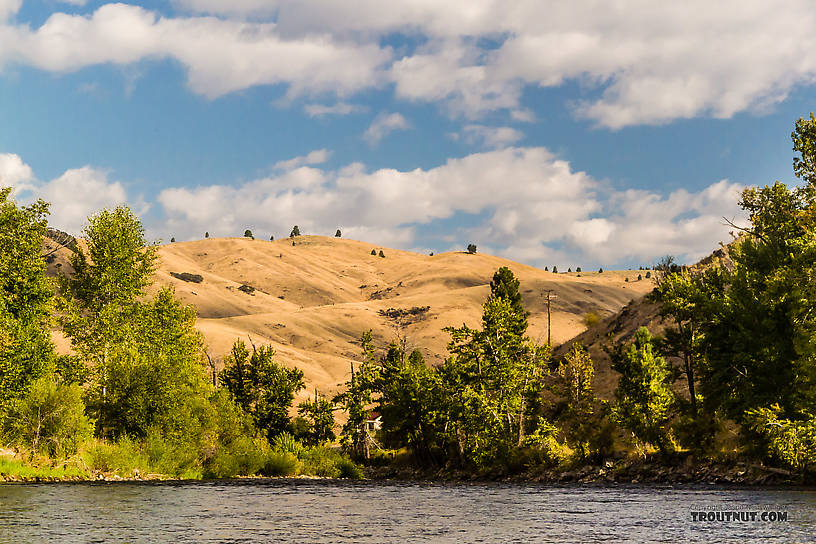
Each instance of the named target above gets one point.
<point>206,234</point>
<point>471,248</point>
<point>338,234</point>
<point>248,234</point>
<point>295,232</point>
<point>505,286</point>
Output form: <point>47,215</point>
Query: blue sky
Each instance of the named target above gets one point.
<point>550,134</point>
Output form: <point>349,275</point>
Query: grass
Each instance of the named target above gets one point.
<point>16,469</point>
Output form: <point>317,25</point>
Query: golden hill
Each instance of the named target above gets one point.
<point>312,300</point>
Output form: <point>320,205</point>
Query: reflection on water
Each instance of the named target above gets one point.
<point>332,511</point>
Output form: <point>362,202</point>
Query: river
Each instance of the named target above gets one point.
<point>384,512</point>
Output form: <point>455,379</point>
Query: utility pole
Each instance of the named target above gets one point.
<point>549,297</point>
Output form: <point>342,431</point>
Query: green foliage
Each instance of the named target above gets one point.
<point>488,380</point>
<point>338,234</point>
<point>50,418</point>
<point>295,232</point>
<point>263,388</point>
<point>285,442</point>
<point>25,298</point>
<point>791,441</point>
<point>505,286</point>
<point>356,399</point>
<point>320,415</point>
<point>574,385</point>
<point>206,235</point>
<point>374,252</point>
<point>471,248</point>
<point>328,463</point>
<point>279,463</point>
<point>381,254</point>
<point>555,270</point>
<point>804,143</point>
<point>643,398</point>
<point>248,234</point>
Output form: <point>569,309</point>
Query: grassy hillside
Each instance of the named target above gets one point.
<point>314,299</point>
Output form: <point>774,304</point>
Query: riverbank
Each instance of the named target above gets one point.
<point>624,471</point>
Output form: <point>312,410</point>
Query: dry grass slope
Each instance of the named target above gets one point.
<point>314,299</point>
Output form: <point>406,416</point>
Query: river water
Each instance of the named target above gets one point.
<point>338,511</point>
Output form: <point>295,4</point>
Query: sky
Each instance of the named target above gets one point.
<point>583,133</point>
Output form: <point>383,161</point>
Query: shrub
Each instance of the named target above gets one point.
<point>374,252</point>
<point>349,469</point>
<point>280,463</point>
<point>242,457</point>
<point>569,270</point>
<point>286,443</point>
<point>271,238</point>
<point>578,269</point>
<point>338,234</point>
<point>591,319</point>
<point>555,270</point>
<point>248,234</point>
<point>172,240</point>
<point>648,275</point>
<point>295,232</point>
<point>600,271</point>
<point>206,235</point>
<point>382,254</point>
<point>640,277</point>
<point>50,418</point>
<point>471,248</point>
<point>188,277</point>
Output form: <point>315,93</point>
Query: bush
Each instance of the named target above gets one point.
<point>188,277</point>
<point>338,234</point>
<point>295,232</point>
<point>50,419</point>
<point>206,235</point>
<point>242,457</point>
<point>279,463</point>
<point>555,270</point>
<point>286,443</point>
<point>471,248</point>
<point>349,469</point>
<point>374,252</point>
<point>124,457</point>
<point>382,254</point>
<point>591,319</point>
<point>248,234</point>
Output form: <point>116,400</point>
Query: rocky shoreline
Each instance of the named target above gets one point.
<point>616,472</point>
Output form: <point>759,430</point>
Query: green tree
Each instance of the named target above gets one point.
<point>248,234</point>
<point>26,298</point>
<point>262,387</point>
<point>338,234</point>
<point>644,397</point>
<point>320,416</point>
<point>357,398</point>
<point>579,418</point>
<point>144,354</point>
<point>471,248</point>
<point>505,286</point>
<point>206,235</point>
<point>295,232</point>
<point>489,378</point>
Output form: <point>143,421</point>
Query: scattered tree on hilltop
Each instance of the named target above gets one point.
<point>471,248</point>
<point>295,232</point>
<point>338,234</point>
<point>248,234</point>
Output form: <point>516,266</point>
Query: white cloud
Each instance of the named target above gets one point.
<point>653,61</point>
<point>73,196</point>
<point>383,125</point>
<point>9,8</point>
<point>491,137</point>
<point>340,108</point>
<point>220,56</point>
<point>536,209</point>
<point>318,156</point>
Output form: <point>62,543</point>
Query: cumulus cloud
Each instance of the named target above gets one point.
<point>383,125</point>
<point>73,196</point>
<point>647,62</point>
<point>535,208</point>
